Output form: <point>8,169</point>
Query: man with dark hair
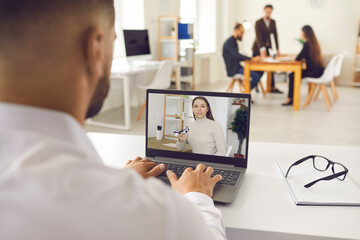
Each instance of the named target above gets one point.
<point>55,58</point>
<point>264,27</point>
<point>232,57</point>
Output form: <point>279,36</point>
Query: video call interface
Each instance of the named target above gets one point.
<point>198,124</point>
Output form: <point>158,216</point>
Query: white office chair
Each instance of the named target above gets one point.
<point>239,78</point>
<point>162,80</point>
<point>322,81</point>
<point>337,73</point>
<point>338,67</point>
<point>228,150</point>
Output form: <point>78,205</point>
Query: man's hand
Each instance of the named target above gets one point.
<point>198,180</point>
<point>256,59</point>
<point>145,167</point>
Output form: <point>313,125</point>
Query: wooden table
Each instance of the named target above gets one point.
<point>288,66</point>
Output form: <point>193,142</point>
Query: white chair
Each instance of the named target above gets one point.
<point>338,67</point>
<point>228,150</point>
<point>162,80</point>
<point>337,73</point>
<point>322,81</point>
<point>239,78</point>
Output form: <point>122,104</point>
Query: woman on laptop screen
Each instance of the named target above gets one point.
<point>205,135</point>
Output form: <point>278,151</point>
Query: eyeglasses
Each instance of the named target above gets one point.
<point>184,131</point>
<point>321,163</point>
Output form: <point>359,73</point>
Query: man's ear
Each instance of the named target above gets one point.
<point>94,52</point>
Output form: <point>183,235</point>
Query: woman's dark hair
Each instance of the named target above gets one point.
<point>209,113</point>
<point>314,47</point>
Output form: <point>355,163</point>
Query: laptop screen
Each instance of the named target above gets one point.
<point>204,126</point>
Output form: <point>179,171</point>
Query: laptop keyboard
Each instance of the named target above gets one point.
<point>230,177</point>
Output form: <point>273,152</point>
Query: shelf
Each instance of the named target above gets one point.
<point>168,19</point>
<point>186,78</point>
<point>168,58</point>
<point>168,40</point>
<point>185,63</point>
<point>170,46</point>
<point>173,97</point>
<point>174,116</point>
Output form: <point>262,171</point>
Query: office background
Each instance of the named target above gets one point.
<point>335,23</point>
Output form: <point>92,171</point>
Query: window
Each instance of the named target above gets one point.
<point>128,15</point>
<point>203,14</point>
<point>188,10</point>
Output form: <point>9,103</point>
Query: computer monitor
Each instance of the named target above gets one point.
<point>136,43</point>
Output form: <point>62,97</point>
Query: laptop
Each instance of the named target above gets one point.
<point>179,135</point>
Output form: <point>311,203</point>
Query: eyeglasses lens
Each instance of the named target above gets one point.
<point>320,163</point>
<point>339,168</point>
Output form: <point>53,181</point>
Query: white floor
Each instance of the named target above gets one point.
<point>271,122</point>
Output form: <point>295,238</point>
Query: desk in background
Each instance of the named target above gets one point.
<point>263,208</point>
<point>284,66</point>
<point>122,70</point>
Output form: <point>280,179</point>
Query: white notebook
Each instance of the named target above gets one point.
<point>329,193</point>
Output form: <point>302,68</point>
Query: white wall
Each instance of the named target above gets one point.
<point>156,113</point>
<point>335,24</point>
<point>152,9</point>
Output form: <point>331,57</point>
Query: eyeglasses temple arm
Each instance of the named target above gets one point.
<point>297,163</point>
<point>327,178</point>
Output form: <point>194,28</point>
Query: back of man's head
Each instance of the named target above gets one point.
<point>32,26</point>
<point>56,54</point>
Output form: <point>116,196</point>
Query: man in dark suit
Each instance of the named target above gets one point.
<point>232,57</point>
<point>264,27</point>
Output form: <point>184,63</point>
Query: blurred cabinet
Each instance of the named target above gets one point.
<point>176,42</point>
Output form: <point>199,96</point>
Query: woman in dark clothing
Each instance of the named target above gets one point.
<point>311,53</point>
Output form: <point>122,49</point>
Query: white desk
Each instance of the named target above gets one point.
<point>121,70</point>
<point>263,208</point>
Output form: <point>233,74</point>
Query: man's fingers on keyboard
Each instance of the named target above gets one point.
<point>189,169</point>
<point>155,171</point>
<point>171,176</point>
<point>145,160</point>
<point>201,167</point>
<point>209,171</point>
<point>217,178</point>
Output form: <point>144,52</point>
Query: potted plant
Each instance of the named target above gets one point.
<point>301,41</point>
<point>238,126</point>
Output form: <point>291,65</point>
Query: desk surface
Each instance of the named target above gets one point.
<point>263,203</point>
<point>120,67</point>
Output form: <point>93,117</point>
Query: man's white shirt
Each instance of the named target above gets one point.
<point>53,185</point>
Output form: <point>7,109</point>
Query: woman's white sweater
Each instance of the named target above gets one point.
<point>205,136</point>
